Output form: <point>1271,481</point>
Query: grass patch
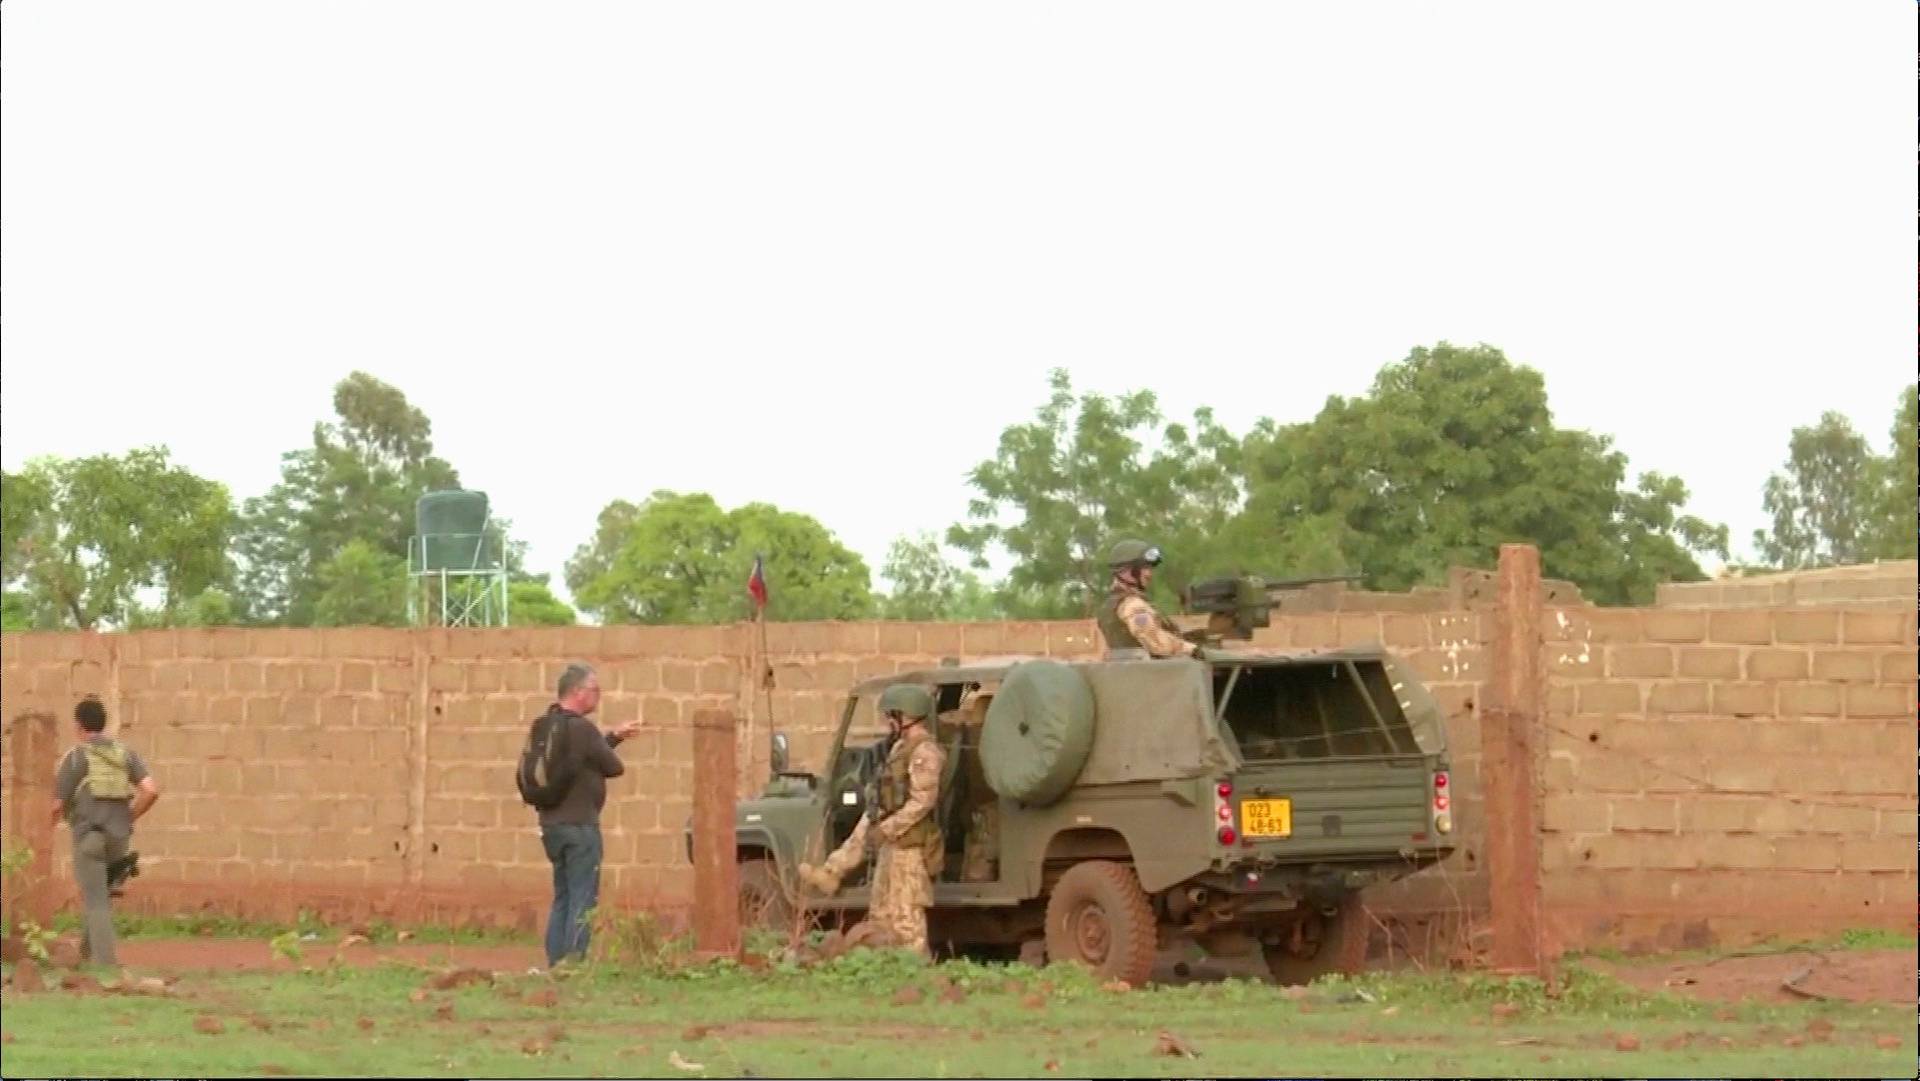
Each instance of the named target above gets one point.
<point>1864,938</point>
<point>307,927</point>
<point>879,1014</point>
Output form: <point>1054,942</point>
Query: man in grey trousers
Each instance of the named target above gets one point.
<point>101,786</point>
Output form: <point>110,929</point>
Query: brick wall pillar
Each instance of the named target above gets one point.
<point>716,880</point>
<point>1513,708</point>
<point>34,745</point>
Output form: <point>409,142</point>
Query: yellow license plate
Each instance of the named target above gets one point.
<point>1266,818</point>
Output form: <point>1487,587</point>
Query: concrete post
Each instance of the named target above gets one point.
<point>716,878</point>
<point>1515,700</point>
<point>35,740</point>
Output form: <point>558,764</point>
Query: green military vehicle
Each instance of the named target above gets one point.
<point>1097,811</point>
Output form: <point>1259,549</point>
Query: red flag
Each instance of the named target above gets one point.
<point>757,583</point>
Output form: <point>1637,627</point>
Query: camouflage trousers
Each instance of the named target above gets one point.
<point>901,893</point>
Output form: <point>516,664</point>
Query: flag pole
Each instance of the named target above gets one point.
<point>763,669</point>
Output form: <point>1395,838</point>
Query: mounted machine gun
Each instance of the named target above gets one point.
<point>1237,606</point>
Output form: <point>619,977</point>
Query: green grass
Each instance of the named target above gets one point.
<point>850,1017</point>
<point>1864,938</point>
<point>207,925</point>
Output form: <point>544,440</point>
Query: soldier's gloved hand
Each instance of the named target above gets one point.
<point>818,880</point>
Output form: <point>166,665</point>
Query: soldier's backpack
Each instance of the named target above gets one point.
<point>546,767</point>
<point>108,777</point>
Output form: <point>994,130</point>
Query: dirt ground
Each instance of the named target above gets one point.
<point>1884,976</point>
<point>1841,975</point>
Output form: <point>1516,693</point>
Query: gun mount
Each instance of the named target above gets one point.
<point>1237,606</point>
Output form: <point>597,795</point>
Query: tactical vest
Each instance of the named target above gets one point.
<point>1112,627</point>
<point>1115,629</point>
<point>896,784</point>
<point>108,777</point>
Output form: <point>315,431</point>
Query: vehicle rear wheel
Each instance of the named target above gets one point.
<point>1099,916</point>
<point>764,900</point>
<point>1318,944</point>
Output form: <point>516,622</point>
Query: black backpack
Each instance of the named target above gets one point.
<point>546,768</point>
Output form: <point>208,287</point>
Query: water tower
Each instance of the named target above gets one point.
<point>456,563</point>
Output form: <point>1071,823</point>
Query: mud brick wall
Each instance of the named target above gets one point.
<point>1891,584</point>
<point>1721,774</point>
<point>364,771</point>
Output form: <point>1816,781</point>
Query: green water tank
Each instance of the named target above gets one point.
<point>452,531</point>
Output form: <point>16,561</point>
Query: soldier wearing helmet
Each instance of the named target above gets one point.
<point>901,825</point>
<point>1127,619</point>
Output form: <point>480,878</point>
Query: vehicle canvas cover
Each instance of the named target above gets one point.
<point>1154,721</point>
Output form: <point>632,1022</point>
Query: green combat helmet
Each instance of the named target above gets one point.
<point>909,699</point>
<point>1132,553</point>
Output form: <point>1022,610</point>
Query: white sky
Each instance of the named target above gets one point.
<point>820,254</point>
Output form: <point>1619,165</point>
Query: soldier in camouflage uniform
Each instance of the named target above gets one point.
<point>982,845</point>
<point>901,825</point>
<point>1127,619</point>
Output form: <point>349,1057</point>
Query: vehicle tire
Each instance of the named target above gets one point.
<point>1318,944</point>
<point>1099,916</point>
<point>765,901</point>
<point>1038,732</point>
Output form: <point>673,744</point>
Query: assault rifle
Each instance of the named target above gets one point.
<point>1237,606</point>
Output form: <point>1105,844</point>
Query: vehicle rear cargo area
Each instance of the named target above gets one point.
<point>1315,709</point>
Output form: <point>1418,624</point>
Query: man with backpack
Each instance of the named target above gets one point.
<point>563,774</point>
<point>100,788</point>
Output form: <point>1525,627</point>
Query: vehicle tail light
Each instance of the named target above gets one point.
<point>1223,809</point>
<point>1442,803</point>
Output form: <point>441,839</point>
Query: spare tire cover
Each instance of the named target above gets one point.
<point>1038,732</point>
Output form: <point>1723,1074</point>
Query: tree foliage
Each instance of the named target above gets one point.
<point>531,603</point>
<point>358,481</point>
<point>1062,487</point>
<point>361,586</point>
<point>680,558</point>
<point>1452,453</point>
<point>1820,501</point>
<point>1834,501</point>
<point>1893,529</point>
<point>926,587</point>
<point>84,538</point>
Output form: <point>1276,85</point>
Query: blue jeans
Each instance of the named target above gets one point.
<point>574,852</point>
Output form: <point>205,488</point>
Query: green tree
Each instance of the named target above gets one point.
<point>926,587</point>
<point>85,537</point>
<point>1452,453</point>
<point>1062,487</point>
<point>531,603</point>
<point>361,586</point>
<point>1893,529</point>
<point>1822,501</point>
<point>16,612</point>
<point>358,481</point>
<point>680,558</point>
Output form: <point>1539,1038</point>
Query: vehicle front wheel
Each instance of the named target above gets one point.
<point>1318,944</point>
<point>1099,916</point>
